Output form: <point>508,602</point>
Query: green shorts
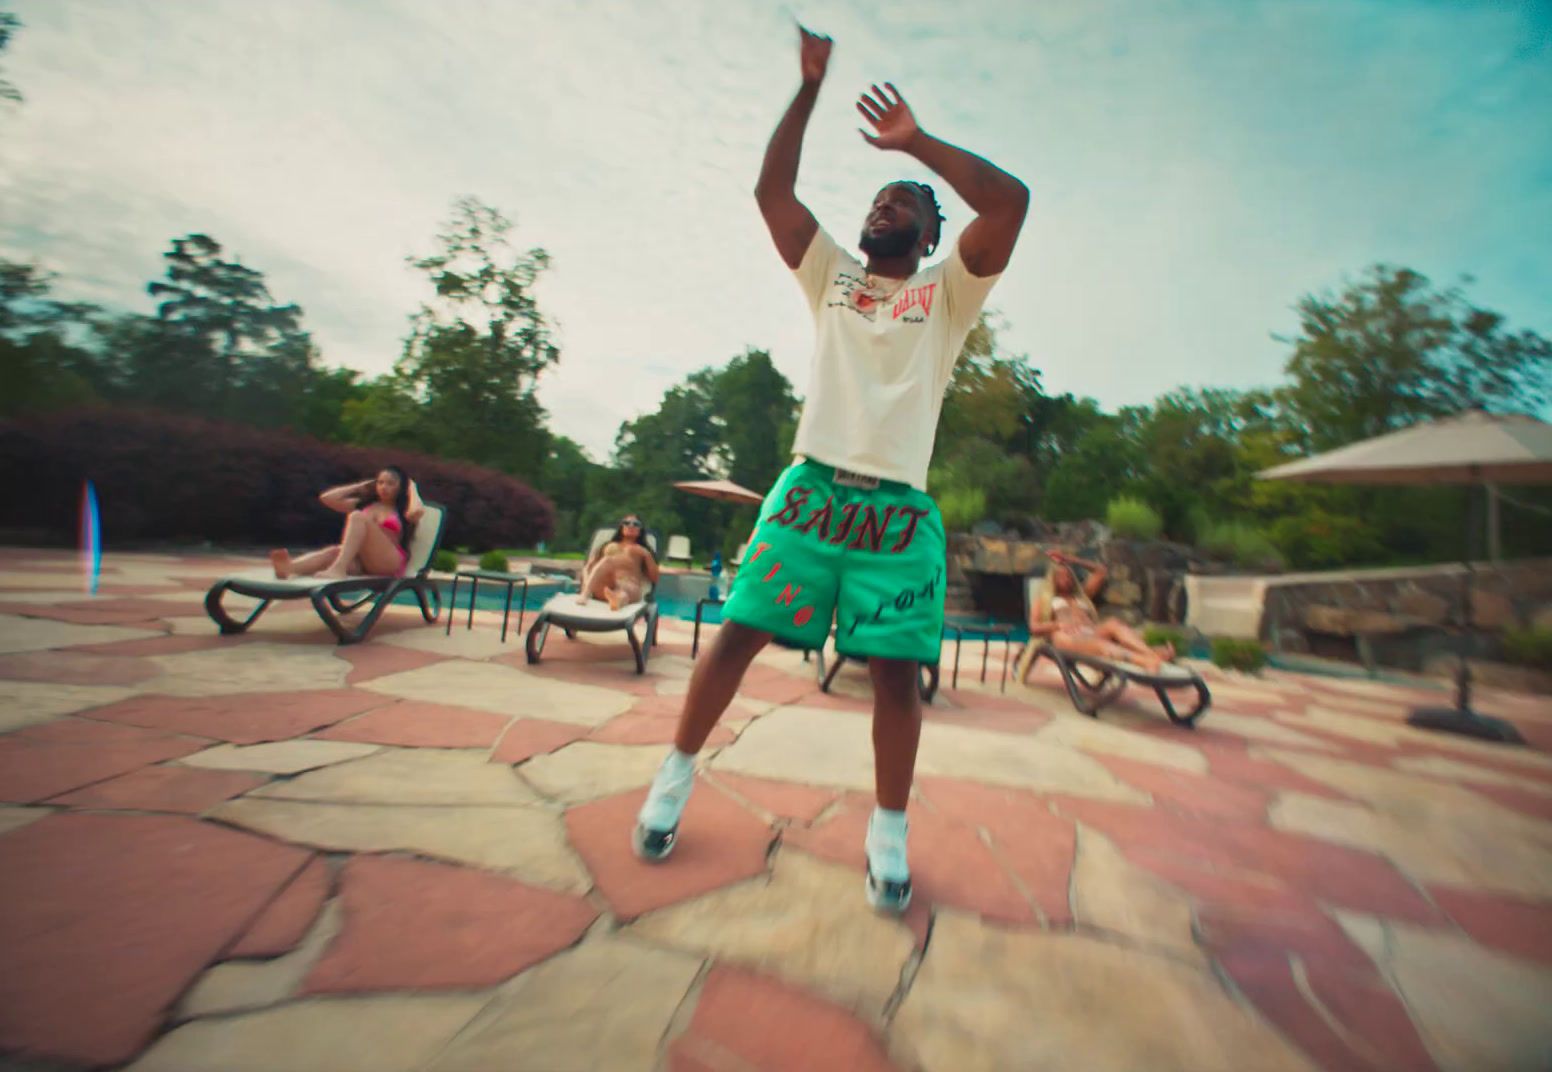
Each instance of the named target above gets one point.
<point>870,559</point>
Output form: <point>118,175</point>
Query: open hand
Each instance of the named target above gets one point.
<point>813,55</point>
<point>892,119</point>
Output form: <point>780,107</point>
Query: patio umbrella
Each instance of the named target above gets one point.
<point>1471,448</point>
<point>721,490</point>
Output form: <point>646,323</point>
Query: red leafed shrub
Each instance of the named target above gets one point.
<point>162,477</point>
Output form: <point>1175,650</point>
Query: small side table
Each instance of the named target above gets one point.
<point>474,577</point>
<point>987,633</point>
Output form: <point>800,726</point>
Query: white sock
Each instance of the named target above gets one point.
<point>889,824</point>
<point>677,765</point>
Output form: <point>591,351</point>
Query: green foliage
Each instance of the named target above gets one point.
<point>9,24</point>
<point>1529,647</point>
<point>1133,519</point>
<point>1233,653</point>
<point>961,508</point>
<point>1240,543</point>
<point>476,348</point>
<point>1390,350</point>
<point>1155,635</point>
<point>494,561</point>
<point>444,561</point>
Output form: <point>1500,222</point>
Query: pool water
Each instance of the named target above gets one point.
<point>674,601</point>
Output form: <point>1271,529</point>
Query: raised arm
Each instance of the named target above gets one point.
<point>998,199</point>
<point>346,497</point>
<point>791,225</point>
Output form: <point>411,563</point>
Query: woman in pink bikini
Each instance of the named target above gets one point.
<point>380,523</point>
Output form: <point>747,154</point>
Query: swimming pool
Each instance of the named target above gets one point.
<point>677,595</point>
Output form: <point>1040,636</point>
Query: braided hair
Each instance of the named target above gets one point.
<point>934,212</point>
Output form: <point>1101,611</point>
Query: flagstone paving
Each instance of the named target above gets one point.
<point>270,852</point>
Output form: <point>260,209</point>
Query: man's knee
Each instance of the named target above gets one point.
<point>740,639</point>
<point>894,677</point>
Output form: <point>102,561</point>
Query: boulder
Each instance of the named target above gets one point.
<point>1352,621</point>
<point>1489,610</point>
<point>1425,607</point>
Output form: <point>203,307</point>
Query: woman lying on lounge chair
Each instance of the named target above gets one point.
<point>621,570</point>
<point>380,523</point>
<point>1065,613</point>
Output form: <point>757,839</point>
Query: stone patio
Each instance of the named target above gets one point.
<point>268,852</point>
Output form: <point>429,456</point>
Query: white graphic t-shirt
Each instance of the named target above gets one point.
<point>883,357</point>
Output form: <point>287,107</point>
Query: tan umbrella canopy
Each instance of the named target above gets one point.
<point>721,490</point>
<point>1471,448</point>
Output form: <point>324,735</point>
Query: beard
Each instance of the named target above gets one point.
<point>895,243</point>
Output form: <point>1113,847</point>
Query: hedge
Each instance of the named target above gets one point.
<point>163,477</point>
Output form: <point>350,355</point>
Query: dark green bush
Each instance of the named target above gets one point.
<point>494,561</point>
<point>1232,653</point>
<point>1133,519</point>
<point>444,561</point>
<point>1529,647</point>
<point>1154,635</point>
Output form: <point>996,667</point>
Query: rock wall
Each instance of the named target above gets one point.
<point>986,571</point>
<point>1403,617</point>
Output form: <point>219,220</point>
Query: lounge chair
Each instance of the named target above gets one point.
<point>1093,683</point>
<point>333,599</point>
<point>678,550</point>
<point>595,616</point>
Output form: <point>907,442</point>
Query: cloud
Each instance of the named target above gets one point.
<point>1194,169</point>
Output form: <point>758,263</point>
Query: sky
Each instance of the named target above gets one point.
<point>1195,167</point>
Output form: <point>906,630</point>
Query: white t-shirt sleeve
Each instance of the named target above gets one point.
<point>818,267</point>
<point>964,293</point>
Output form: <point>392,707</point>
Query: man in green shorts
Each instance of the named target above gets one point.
<point>848,536</point>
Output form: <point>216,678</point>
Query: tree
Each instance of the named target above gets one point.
<point>227,349</point>
<point>9,24</point>
<point>1390,350</point>
<point>40,367</point>
<point>477,348</point>
<point>756,412</point>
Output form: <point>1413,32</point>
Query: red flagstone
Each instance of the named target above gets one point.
<point>106,919</point>
<point>73,668</point>
<point>720,843</point>
<point>787,800</point>
<point>528,737</point>
<point>745,1021</point>
<point>1206,884</point>
<point>414,724</point>
<point>1525,801</point>
<point>1037,846</point>
<point>1523,928</point>
<point>1234,764</point>
<point>114,611</point>
<point>652,729</point>
<point>1190,794</point>
<point>187,790</point>
<point>1267,979</point>
<point>287,918</point>
<point>243,717</point>
<point>1347,877</point>
<point>39,762</point>
<point>950,865</point>
<point>1286,926</point>
<point>370,661</point>
<point>774,686</point>
<point>1377,1024</point>
<point>162,645</point>
<point>417,925</point>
